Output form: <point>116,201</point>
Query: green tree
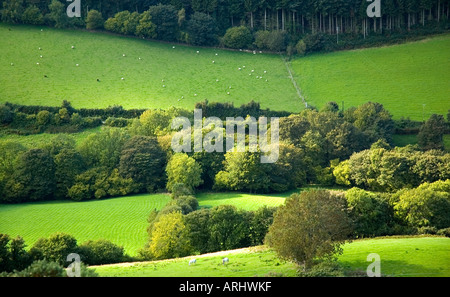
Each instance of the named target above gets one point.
<point>431,134</point>
<point>57,14</point>
<point>202,30</point>
<point>370,214</point>
<point>143,160</point>
<point>313,224</point>
<point>54,248</point>
<point>94,20</point>
<point>146,28</point>
<point>238,37</point>
<point>198,224</point>
<point>228,228</point>
<point>170,237</point>
<point>35,175</point>
<point>243,171</point>
<point>183,169</point>
<point>101,251</point>
<point>165,17</point>
<point>68,164</point>
<point>32,15</point>
<point>425,206</point>
<point>12,11</point>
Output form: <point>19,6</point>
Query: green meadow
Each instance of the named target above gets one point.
<point>399,257</point>
<point>121,220</point>
<point>155,74</point>
<point>410,80</point>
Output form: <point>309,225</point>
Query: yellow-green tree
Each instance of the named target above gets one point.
<point>170,237</point>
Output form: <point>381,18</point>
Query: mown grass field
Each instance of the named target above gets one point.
<point>120,220</point>
<point>401,77</point>
<point>403,256</point>
<point>165,75</point>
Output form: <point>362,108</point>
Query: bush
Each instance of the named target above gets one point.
<point>33,16</point>
<point>275,41</point>
<point>237,37</point>
<point>54,248</point>
<point>100,252</point>
<point>6,114</point>
<point>94,20</point>
<point>301,48</point>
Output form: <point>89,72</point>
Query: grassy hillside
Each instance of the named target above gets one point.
<point>120,220</point>
<point>403,256</point>
<point>156,75</point>
<point>401,77</point>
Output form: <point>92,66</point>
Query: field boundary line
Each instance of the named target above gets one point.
<point>299,91</point>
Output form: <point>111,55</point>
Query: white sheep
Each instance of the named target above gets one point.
<point>37,63</point>
<point>73,46</point>
<point>122,78</point>
<point>124,55</point>
<point>198,52</point>
<point>77,65</point>
<point>193,261</point>
<point>225,260</point>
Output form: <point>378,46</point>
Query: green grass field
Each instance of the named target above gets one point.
<point>401,77</point>
<point>403,256</point>
<point>120,220</point>
<point>100,56</point>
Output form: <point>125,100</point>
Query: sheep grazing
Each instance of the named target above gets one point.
<point>77,65</point>
<point>225,261</point>
<point>265,71</point>
<point>217,54</point>
<point>124,55</point>
<point>198,52</point>
<point>164,86</point>
<point>193,261</point>
<point>73,46</point>
<point>173,46</point>
<point>12,64</point>
<point>123,78</point>
<point>228,93</point>
<point>37,63</point>
<point>140,58</point>
<point>239,68</point>
<point>213,62</point>
<point>195,95</point>
<point>41,56</point>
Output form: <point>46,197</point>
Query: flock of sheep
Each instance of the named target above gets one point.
<point>194,261</point>
<point>164,85</point>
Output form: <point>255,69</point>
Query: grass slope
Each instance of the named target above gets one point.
<point>121,220</point>
<point>100,56</point>
<point>403,256</point>
<point>401,77</point>
<point>415,256</point>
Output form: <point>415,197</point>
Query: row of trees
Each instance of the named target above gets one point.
<point>326,147</point>
<point>295,16</point>
<point>273,21</point>
<point>48,256</point>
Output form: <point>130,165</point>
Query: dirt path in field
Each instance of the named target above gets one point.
<point>299,92</point>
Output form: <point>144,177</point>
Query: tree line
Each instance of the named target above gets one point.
<point>327,146</point>
<point>275,25</point>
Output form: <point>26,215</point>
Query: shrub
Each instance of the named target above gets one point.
<point>6,114</point>
<point>275,41</point>
<point>100,252</point>
<point>237,37</point>
<point>94,20</point>
<point>54,248</point>
<point>301,48</point>
<point>33,16</point>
